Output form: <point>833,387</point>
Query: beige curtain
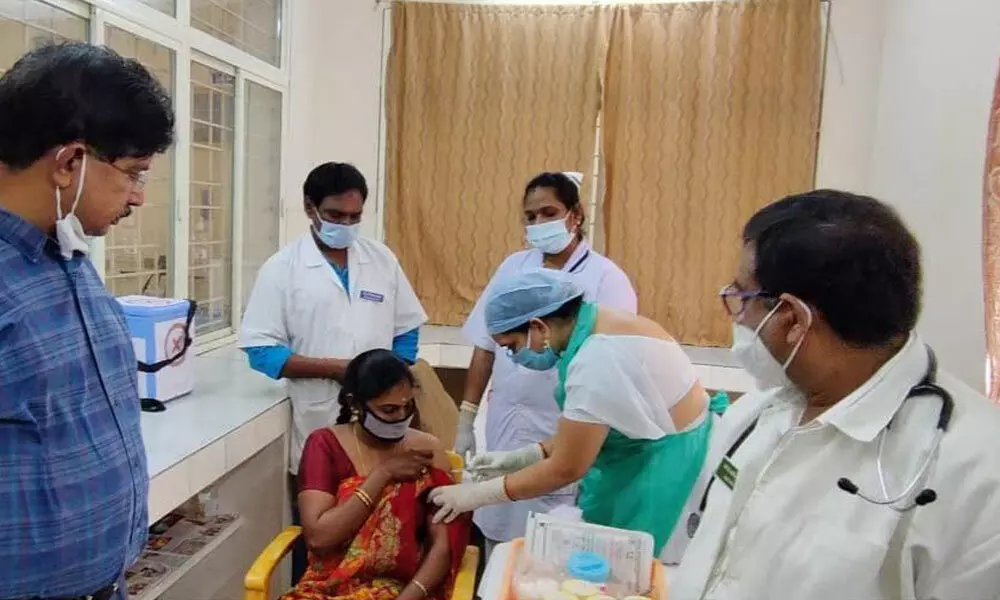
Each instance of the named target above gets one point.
<point>991,245</point>
<point>711,111</point>
<point>480,99</point>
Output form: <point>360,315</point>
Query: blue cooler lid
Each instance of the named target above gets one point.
<point>588,566</point>
<point>150,306</point>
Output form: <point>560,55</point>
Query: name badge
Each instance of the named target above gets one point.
<point>727,472</point>
<point>372,296</point>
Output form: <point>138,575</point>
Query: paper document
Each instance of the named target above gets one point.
<point>630,553</point>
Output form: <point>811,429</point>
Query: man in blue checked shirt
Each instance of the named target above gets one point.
<point>79,126</point>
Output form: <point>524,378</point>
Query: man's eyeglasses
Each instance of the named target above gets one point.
<point>734,300</point>
<point>138,178</point>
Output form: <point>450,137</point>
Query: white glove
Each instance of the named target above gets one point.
<point>457,499</point>
<point>491,465</point>
<point>465,442</point>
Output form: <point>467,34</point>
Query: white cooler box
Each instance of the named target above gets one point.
<point>162,334</point>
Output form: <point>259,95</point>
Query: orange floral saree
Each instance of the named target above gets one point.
<point>388,549</point>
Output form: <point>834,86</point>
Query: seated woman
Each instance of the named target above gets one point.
<point>363,488</point>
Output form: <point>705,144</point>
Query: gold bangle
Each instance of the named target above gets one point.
<point>503,482</point>
<point>420,586</point>
<point>363,496</point>
<point>544,453</point>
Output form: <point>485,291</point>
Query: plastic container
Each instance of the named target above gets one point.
<point>581,589</point>
<point>538,578</point>
<point>162,334</point>
<point>533,580</point>
<point>589,567</point>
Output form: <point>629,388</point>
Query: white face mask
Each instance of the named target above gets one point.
<point>69,230</point>
<point>750,353</point>
<point>337,236</point>
<point>551,238</point>
<point>382,430</point>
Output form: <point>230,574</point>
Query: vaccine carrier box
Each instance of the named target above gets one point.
<point>162,333</point>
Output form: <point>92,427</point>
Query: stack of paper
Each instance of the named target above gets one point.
<point>173,541</point>
<point>630,553</point>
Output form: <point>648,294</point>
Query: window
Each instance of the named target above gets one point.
<point>138,250</point>
<point>210,267</point>
<point>165,6</point>
<point>253,26</point>
<point>262,192</point>
<point>220,183</point>
<point>28,24</point>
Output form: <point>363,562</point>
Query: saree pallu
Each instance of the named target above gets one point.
<point>387,551</point>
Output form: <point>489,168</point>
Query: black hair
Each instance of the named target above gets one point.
<point>850,256</point>
<point>70,92</point>
<point>333,179</point>
<point>568,310</point>
<point>564,189</point>
<point>368,376</point>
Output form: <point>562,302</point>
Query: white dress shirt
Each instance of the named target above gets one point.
<point>786,530</point>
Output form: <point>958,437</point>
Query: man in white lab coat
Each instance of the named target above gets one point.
<point>321,301</point>
<point>824,305</point>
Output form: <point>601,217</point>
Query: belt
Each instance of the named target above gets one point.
<point>105,593</point>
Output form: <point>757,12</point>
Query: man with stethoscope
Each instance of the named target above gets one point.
<point>862,471</point>
<point>322,300</point>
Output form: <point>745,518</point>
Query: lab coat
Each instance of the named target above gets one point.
<point>522,407</point>
<point>787,531</point>
<point>299,302</point>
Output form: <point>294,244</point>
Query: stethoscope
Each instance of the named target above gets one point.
<point>925,387</point>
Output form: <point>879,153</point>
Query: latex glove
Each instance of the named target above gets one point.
<point>465,442</point>
<point>491,465</point>
<point>454,500</point>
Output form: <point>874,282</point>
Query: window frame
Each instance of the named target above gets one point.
<point>99,22</point>
<point>189,44</point>
<point>243,79</point>
<point>77,8</point>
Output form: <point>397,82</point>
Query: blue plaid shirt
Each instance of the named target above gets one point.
<point>73,480</point>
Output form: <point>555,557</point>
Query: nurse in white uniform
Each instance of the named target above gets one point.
<point>522,410</point>
<point>862,471</point>
<point>322,300</point>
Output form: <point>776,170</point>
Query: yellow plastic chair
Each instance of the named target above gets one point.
<point>257,583</point>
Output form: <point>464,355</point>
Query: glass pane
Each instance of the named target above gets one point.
<point>263,181</point>
<point>164,6</point>
<point>138,257</point>
<point>28,24</point>
<point>210,278</point>
<point>253,26</point>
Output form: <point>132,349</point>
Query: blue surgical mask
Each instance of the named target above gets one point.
<point>337,236</point>
<point>534,360</point>
<point>551,238</point>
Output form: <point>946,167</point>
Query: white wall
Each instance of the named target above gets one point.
<point>938,66</point>
<point>907,93</point>
<point>850,94</point>
<point>336,49</point>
